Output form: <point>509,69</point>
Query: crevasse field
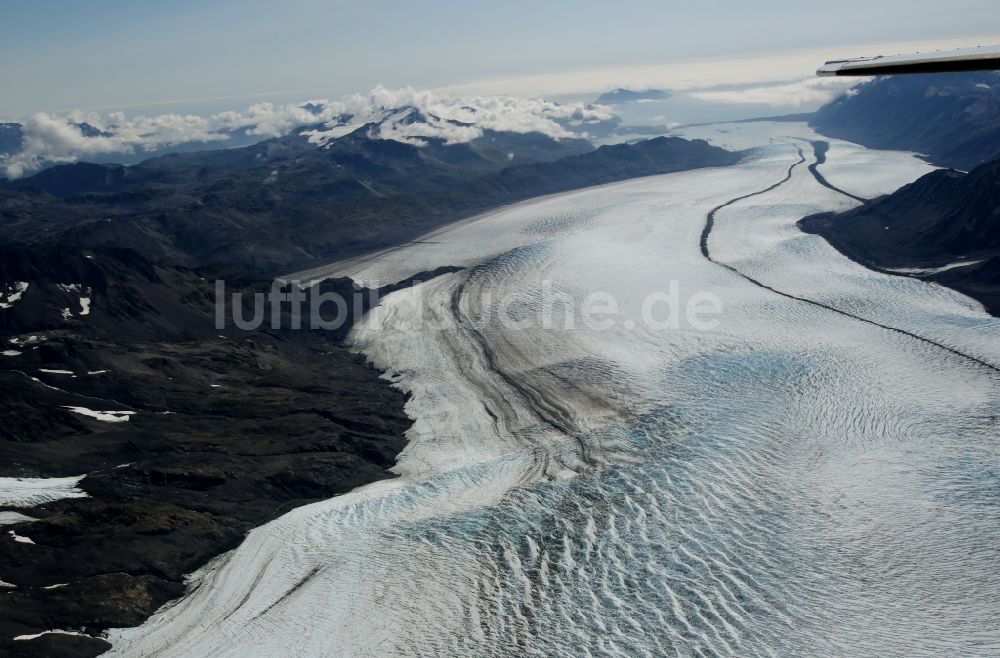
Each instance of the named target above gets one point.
<point>794,481</point>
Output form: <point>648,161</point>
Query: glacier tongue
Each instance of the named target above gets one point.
<point>793,481</point>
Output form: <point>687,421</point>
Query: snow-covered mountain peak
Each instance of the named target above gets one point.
<point>406,115</point>
<point>415,117</point>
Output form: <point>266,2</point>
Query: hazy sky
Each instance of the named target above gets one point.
<point>209,54</point>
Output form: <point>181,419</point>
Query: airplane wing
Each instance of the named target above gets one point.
<point>982,58</point>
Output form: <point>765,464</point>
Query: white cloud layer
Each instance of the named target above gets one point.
<point>455,120</point>
<point>58,138</point>
<point>51,139</point>
<point>696,75</point>
<point>808,92</point>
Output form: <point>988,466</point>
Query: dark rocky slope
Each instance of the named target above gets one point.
<point>945,217</point>
<point>232,428</point>
<point>286,204</point>
<point>954,119</point>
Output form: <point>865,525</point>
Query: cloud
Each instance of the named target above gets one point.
<point>695,75</point>
<point>54,139</point>
<point>811,92</point>
<point>50,139</point>
<point>413,116</point>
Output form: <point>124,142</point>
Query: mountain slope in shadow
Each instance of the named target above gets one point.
<point>953,119</point>
<point>944,227</point>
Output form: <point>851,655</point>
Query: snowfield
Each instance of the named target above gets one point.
<point>816,474</point>
<point>13,293</point>
<point>29,492</point>
<point>104,416</point>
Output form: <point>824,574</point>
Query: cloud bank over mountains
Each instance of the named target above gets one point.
<point>413,116</point>
<point>406,115</point>
<point>808,92</point>
<point>53,139</point>
<point>509,103</point>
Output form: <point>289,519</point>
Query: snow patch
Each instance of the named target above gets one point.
<point>85,306</point>
<point>10,518</point>
<point>26,341</point>
<point>12,353</point>
<point>105,416</point>
<point>933,270</point>
<point>25,638</point>
<point>19,539</point>
<point>29,492</point>
<point>14,293</point>
<point>39,381</point>
<point>55,372</point>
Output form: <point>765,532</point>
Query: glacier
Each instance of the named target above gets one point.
<point>817,474</point>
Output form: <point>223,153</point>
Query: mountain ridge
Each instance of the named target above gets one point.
<point>287,204</point>
<point>952,119</point>
<point>943,227</point>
